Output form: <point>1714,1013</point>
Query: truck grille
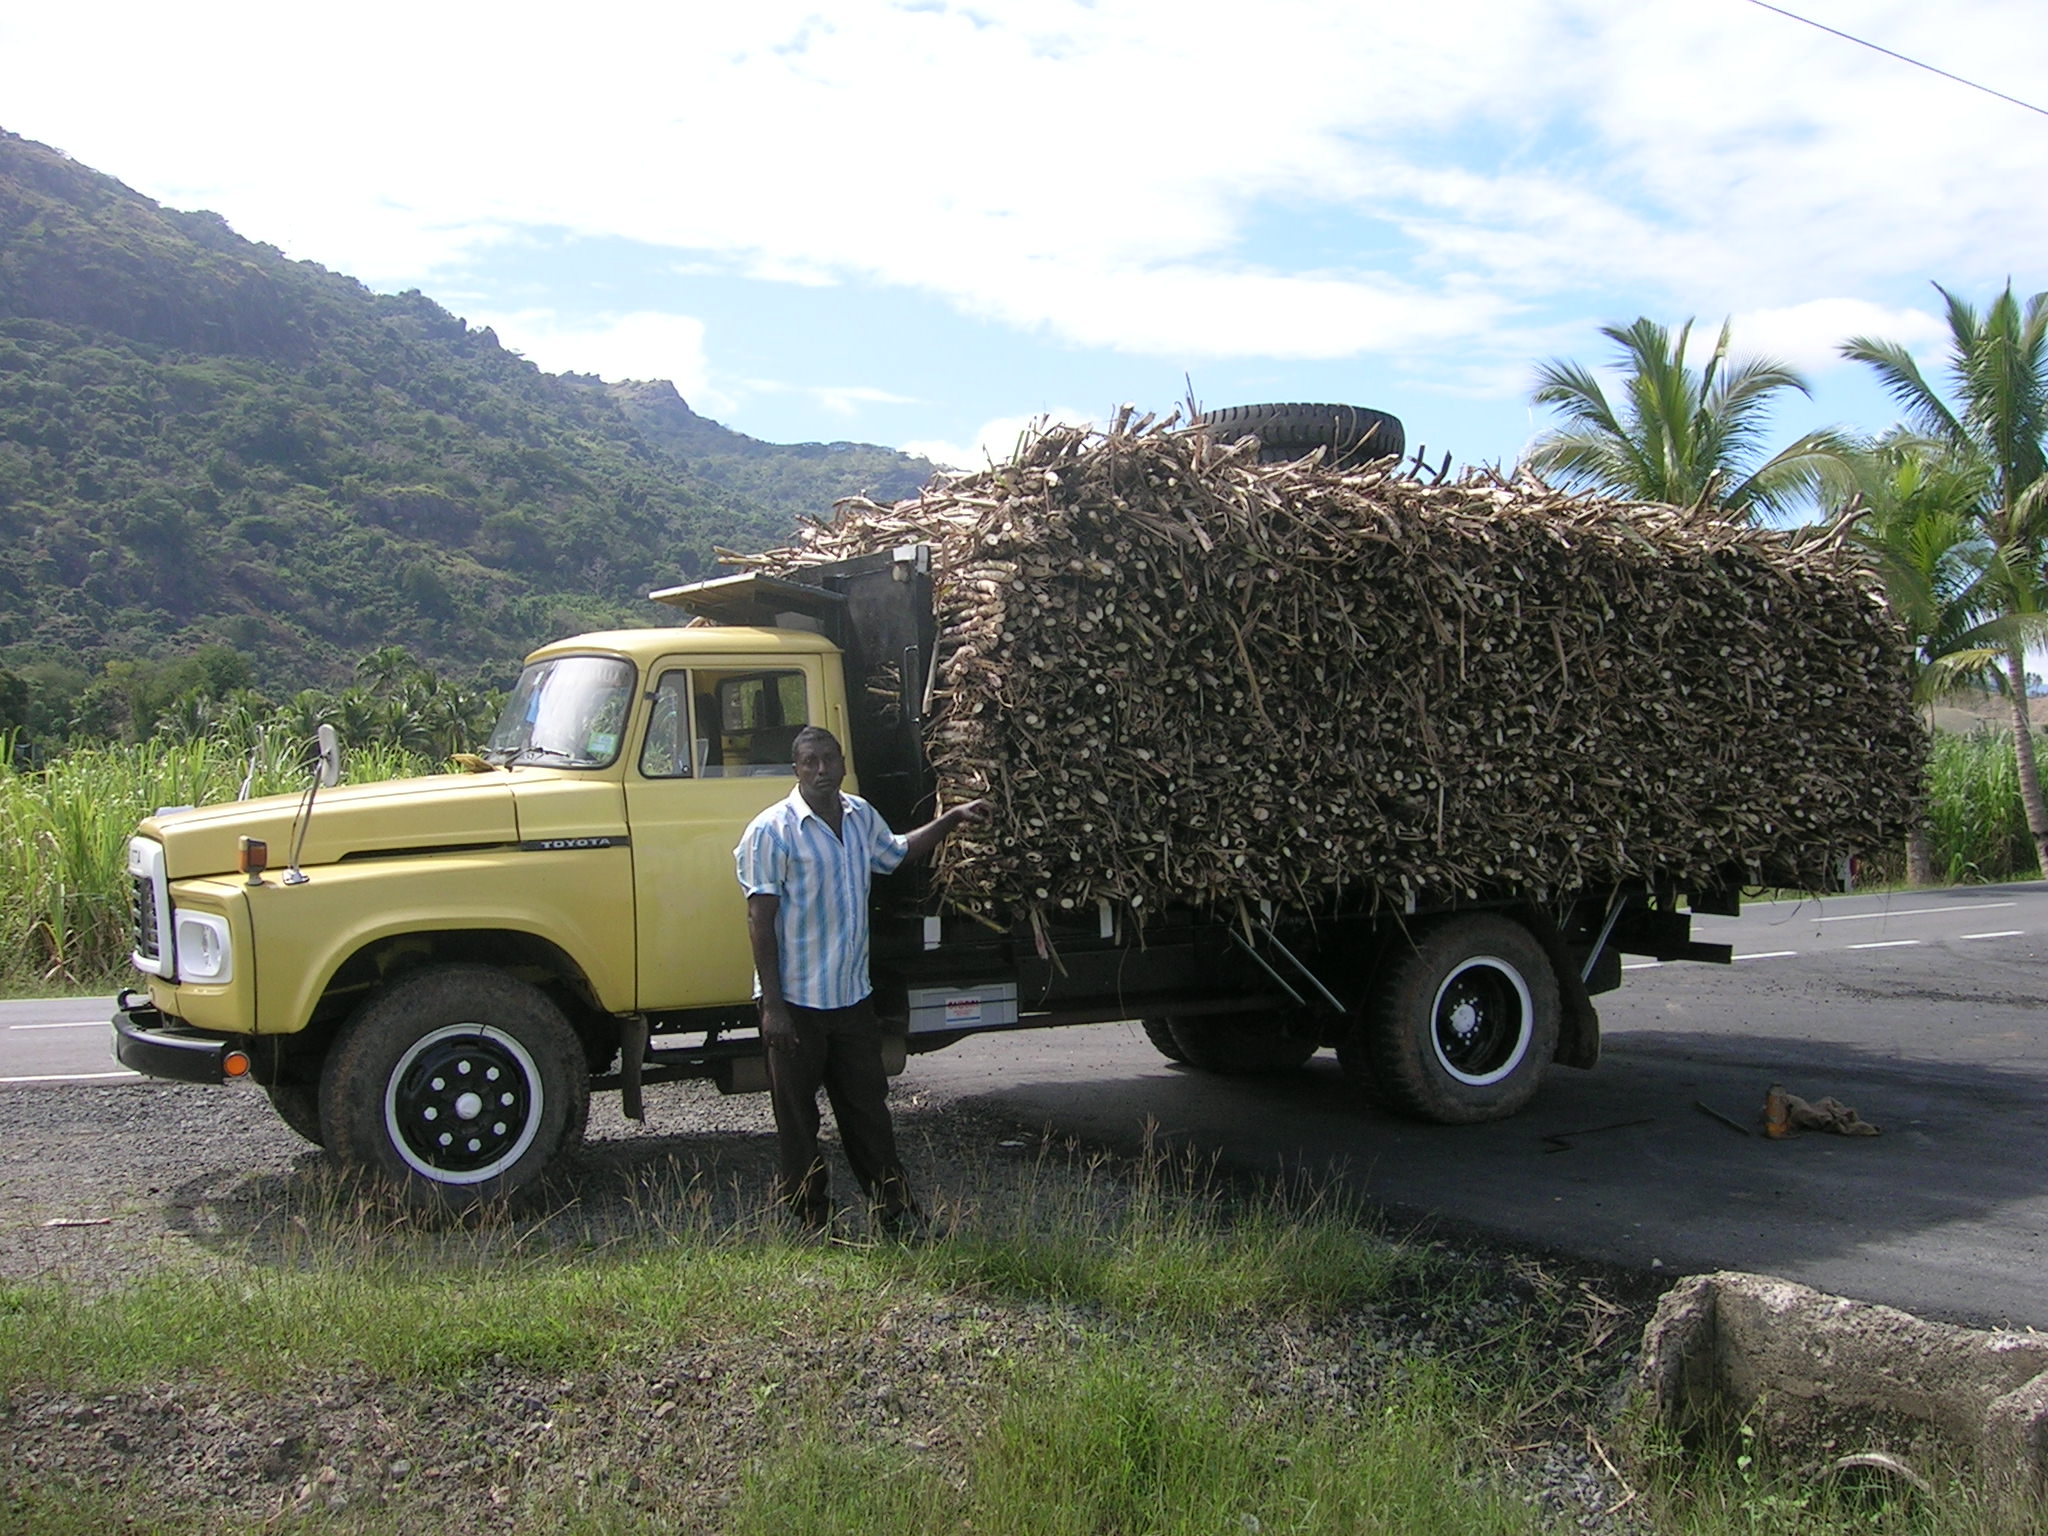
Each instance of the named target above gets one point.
<point>148,942</point>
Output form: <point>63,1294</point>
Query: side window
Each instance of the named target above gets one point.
<point>666,754</point>
<point>747,722</point>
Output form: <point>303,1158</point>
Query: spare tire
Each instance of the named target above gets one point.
<point>1351,433</point>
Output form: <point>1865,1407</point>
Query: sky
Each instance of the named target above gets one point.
<point>925,224</point>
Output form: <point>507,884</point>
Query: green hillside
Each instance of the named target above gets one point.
<point>206,447</point>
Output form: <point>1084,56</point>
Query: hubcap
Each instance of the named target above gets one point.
<point>463,1103</point>
<point>1480,1023</point>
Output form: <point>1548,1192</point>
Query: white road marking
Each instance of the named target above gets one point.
<point>69,1077</point>
<point>1770,954</point>
<point>79,1024</point>
<point>1641,965</point>
<point>1885,944</point>
<point>1864,917</point>
<point>2004,933</point>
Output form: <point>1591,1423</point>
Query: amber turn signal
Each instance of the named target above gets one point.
<point>235,1064</point>
<point>253,858</point>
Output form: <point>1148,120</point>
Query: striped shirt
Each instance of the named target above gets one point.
<point>821,883</point>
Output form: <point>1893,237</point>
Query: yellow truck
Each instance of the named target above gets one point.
<point>444,969</point>
<point>450,965</point>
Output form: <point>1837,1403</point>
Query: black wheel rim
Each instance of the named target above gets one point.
<point>463,1103</point>
<point>1481,1020</point>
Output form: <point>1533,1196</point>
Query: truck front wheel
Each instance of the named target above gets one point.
<point>458,1084</point>
<point>298,1106</point>
<point>1460,1027</point>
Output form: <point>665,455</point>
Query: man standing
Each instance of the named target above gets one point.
<point>806,864</point>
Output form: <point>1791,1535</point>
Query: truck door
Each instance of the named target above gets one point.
<point>715,754</point>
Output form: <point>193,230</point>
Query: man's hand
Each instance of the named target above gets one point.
<point>777,1026</point>
<point>934,832</point>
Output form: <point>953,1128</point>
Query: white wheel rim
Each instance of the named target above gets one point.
<point>1481,1021</point>
<point>466,1109</point>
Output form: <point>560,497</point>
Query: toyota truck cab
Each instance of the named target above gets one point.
<point>432,983</point>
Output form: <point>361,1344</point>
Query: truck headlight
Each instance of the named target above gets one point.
<point>205,953</point>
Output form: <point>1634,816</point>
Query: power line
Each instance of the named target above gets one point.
<point>1902,58</point>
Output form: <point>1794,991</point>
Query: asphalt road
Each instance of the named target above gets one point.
<point>1926,1012</point>
<point>59,1040</point>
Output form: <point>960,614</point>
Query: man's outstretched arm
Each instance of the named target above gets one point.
<point>932,833</point>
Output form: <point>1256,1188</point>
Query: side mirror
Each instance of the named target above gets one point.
<point>327,759</point>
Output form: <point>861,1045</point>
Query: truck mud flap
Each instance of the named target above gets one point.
<point>1578,1020</point>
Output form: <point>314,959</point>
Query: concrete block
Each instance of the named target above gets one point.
<point>1822,1370</point>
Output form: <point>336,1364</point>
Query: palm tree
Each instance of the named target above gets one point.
<point>302,715</point>
<point>402,722</point>
<point>1681,435</point>
<point>239,720</point>
<point>355,716</point>
<point>458,719</point>
<point>1998,366</point>
<point>186,718</point>
<point>377,670</point>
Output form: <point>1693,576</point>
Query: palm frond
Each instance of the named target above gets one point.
<point>1675,433</point>
<point>1901,378</point>
<point>1792,475</point>
<point>1954,672</point>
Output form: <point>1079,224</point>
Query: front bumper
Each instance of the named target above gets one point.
<point>149,1042</point>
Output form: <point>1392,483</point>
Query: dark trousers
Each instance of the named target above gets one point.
<point>839,1050</point>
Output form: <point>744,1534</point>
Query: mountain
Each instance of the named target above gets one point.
<point>775,474</point>
<point>205,445</point>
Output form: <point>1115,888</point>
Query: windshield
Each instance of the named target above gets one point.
<point>566,713</point>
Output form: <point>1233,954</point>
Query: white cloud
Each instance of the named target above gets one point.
<point>1098,172</point>
<point>997,441</point>
<point>847,399</point>
<point>1810,336</point>
<point>642,345</point>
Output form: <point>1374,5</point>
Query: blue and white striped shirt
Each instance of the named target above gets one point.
<point>821,882</point>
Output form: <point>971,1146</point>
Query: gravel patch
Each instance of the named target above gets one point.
<point>103,1186</point>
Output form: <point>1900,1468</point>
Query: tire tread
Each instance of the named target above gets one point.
<point>1240,1044</point>
<point>1353,433</point>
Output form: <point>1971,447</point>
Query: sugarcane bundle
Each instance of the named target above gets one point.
<point>1184,676</point>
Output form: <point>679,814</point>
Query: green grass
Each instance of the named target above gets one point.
<point>1078,1358</point>
<point>1114,1441</point>
<point>1732,1487</point>
<point>344,1279</point>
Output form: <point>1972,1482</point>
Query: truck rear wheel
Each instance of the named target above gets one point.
<point>1462,1026</point>
<point>1160,1033</point>
<point>458,1084</point>
<point>1240,1044</point>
